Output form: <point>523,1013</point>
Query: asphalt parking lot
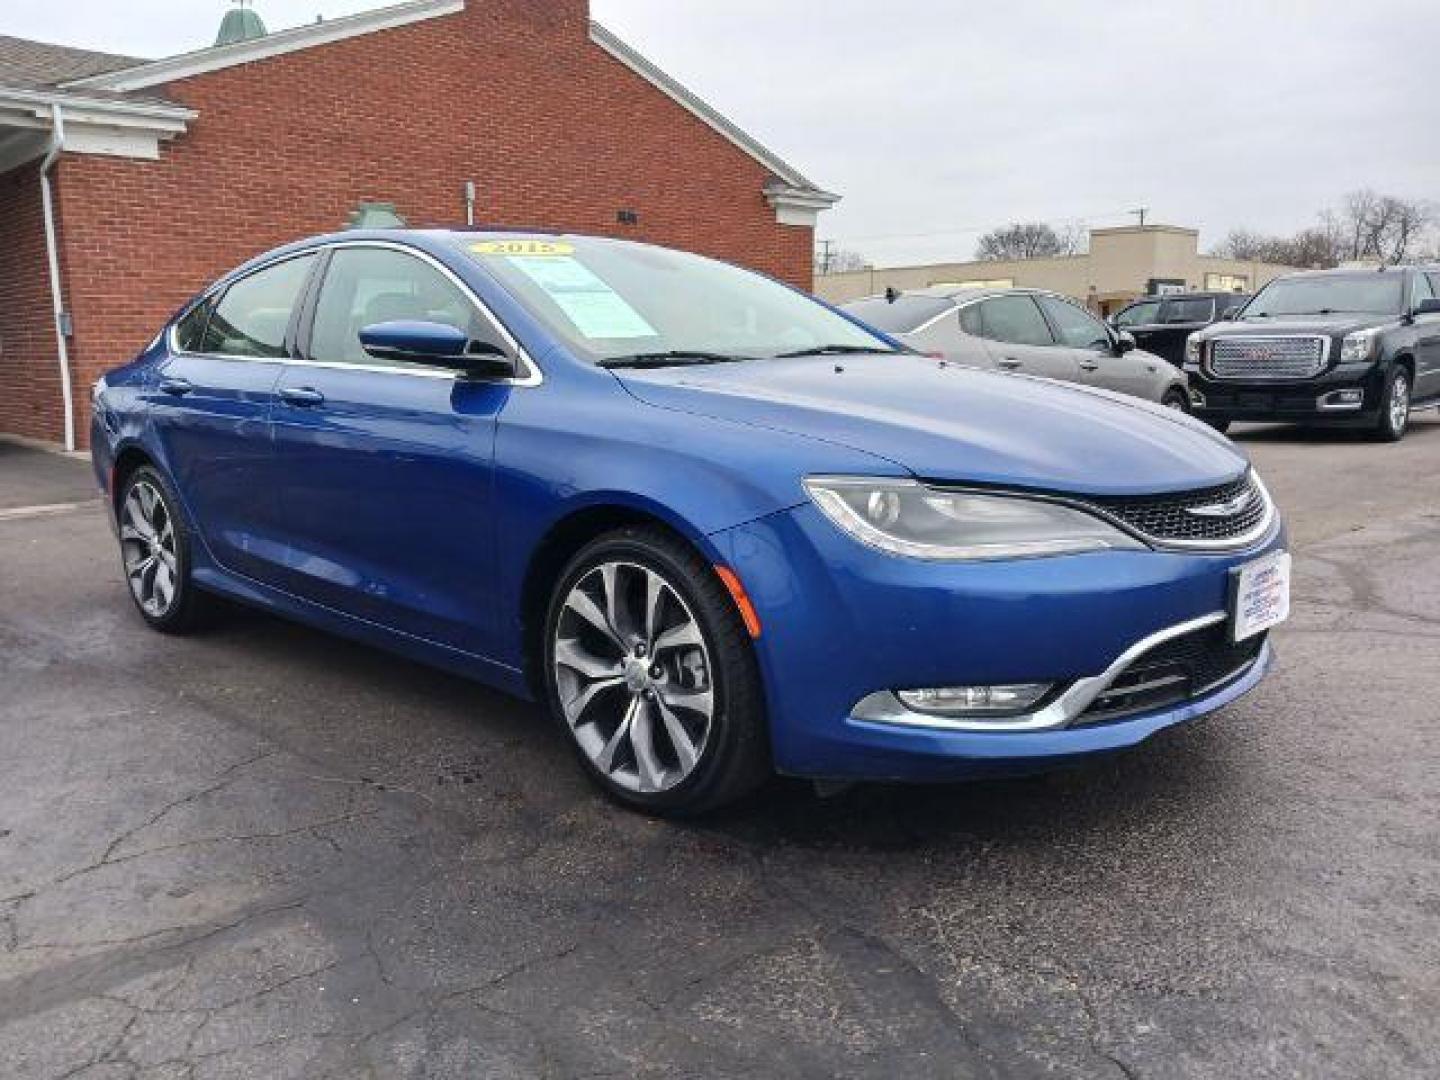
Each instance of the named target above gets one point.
<point>263,852</point>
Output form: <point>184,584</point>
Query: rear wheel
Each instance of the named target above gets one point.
<point>649,669</point>
<point>1394,406</point>
<point>155,553</point>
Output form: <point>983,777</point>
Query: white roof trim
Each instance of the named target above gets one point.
<point>186,65</point>
<point>689,101</point>
<point>170,117</point>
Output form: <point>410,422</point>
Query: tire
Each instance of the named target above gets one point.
<point>155,550</point>
<point>1176,398</point>
<point>630,689</point>
<point>1218,424</point>
<point>1394,416</point>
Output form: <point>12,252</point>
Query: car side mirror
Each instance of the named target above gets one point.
<point>1429,306</point>
<point>438,344</point>
<point>1124,342</point>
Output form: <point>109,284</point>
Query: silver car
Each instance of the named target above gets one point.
<point>1023,330</point>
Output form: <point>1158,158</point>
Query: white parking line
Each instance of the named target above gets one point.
<point>20,513</point>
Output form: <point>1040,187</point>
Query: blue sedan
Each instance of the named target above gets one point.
<point>715,527</point>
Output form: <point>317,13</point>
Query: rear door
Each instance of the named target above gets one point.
<point>387,489</point>
<point>1019,339</point>
<point>211,409</point>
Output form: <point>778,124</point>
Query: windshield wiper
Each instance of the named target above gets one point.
<point>668,358</point>
<point>835,350</point>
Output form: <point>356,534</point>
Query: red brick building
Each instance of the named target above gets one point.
<point>162,174</point>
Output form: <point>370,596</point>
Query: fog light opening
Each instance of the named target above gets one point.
<point>1343,399</point>
<point>1000,700</point>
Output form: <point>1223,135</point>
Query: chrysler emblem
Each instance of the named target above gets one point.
<point>1228,508</point>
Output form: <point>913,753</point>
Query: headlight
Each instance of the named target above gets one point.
<point>1358,347</point>
<point>904,517</point>
<point>1192,350</point>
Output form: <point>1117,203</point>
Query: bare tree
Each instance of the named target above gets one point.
<point>846,261</point>
<point>1024,240</point>
<point>1366,225</point>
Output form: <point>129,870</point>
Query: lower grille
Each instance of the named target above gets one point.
<point>1174,672</point>
<point>1263,358</point>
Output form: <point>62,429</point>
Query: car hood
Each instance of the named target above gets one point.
<point>956,424</point>
<point>1340,323</point>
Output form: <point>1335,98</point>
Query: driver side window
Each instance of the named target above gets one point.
<point>1141,314</point>
<point>364,286</point>
<point>1075,328</point>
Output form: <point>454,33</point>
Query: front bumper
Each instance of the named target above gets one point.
<point>842,623</point>
<point>1321,400</point>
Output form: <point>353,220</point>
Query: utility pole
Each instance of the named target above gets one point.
<point>826,255</point>
<point>1140,212</point>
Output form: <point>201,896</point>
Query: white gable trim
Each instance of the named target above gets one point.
<point>793,181</point>
<point>93,125</point>
<point>202,61</point>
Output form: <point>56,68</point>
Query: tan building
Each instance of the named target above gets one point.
<point>1122,263</point>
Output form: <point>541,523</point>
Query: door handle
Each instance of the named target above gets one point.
<point>1009,363</point>
<point>303,396</point>
<point>1089,365</point>
<point>177,387</point>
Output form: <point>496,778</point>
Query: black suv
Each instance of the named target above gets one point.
<point>1349,348</point>
<point>1160,324</point>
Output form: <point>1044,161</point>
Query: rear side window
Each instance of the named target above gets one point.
<point>1197,309</point>
<point>1014,319</point>
<point>906,314</point>
<point>970,320</point>
<point>1434,283</point>
<point>253,315</point>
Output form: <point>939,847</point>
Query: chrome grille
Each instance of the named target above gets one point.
<point>1265,358</point>
<point>1220,516</point>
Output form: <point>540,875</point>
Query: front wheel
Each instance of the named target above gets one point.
<point>1177,399</point>
<point>649,669</point>
<point>1394,407</point>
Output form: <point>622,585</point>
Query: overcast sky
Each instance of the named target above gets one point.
<point>937,119</point>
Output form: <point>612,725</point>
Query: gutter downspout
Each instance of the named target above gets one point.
<point>52,252</point>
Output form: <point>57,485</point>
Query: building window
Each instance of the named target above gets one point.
<point>1227,283</point>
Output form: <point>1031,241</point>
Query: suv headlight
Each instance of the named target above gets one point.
<point>904,517</point>
<point>1358,347</point>
<point>1192,351</point>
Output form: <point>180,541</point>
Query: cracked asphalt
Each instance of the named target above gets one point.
<point>263,852</point>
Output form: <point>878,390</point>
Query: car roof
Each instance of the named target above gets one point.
<point>1349,271</point>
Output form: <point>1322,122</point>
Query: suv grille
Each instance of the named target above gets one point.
<point>1265,358</point>
<point>1174,671</point>
<point>1220,515</point>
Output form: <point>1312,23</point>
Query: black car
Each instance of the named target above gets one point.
<point>1347,348</point>
<point>1160,324</point>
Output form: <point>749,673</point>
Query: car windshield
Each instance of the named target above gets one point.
<point>1323,294</point>
<point>905,315</point>
<point>617,302</point>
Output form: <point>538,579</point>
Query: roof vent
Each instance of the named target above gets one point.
<point>241,23</point>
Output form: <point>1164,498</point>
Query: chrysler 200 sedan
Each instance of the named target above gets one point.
<point>719,529</point>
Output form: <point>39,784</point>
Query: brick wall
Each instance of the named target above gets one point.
<point>509,93</point>
<point>29,376</point>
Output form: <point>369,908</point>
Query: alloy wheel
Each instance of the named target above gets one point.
<point>147,544</point>
<point>1399,404</point>
<point>634,676</point>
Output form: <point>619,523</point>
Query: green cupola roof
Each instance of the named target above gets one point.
<point>241,23</point>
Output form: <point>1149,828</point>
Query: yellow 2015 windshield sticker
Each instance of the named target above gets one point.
<point>524,248</point>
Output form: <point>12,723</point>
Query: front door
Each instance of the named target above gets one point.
<point>1088,340</point>
<point>210,406</point>
<point>387,497</point>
